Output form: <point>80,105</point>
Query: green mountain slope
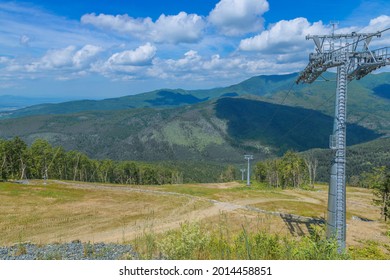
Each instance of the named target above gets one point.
<point>159,98</point>
<point>368,99</point>
<point>366,106</point>
<point>283,126</point>
<point>220,130</point>
<point>360,158</point>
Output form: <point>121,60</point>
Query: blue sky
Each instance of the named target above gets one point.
<point>100,49</point>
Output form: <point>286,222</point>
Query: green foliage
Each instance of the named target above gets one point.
<point>192,241</point>
<point>189,242</point>
<point>13,156</point>
<point>41,160</point>
<point>361,159</point>
<point>370,250</point>
<point>229,174</point>
<point>288,171</point>
<point>88,249</point>
<point>379,181</point>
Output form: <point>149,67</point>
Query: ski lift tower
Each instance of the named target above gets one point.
<point>351,55</point>
<point>242,173</point>
<point>248,174</point>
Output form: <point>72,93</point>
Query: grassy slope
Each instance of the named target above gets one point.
<point>65,211</point>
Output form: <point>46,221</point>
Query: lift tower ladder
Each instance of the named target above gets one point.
<point>351,55</point>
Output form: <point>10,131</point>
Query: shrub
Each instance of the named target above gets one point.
<point>190,242</point>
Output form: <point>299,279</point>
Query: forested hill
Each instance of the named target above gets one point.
<point>264,115</point>
<point>218,131</point>
<point>368,99</point>
<point>360,158</point>
<point>163,98</point>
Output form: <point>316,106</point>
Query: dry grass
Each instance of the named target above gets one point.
<point>66,211</point>
<point>51,213</point>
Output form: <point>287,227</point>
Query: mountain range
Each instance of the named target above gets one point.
<point>264,115</point>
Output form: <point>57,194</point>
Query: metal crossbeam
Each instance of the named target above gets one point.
<point>351,55</point>
<point>365,63</point>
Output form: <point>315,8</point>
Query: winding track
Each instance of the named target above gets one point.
<point>211,209</point>
<point>227,206</point>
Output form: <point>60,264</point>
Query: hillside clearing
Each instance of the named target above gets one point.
<point>64,211</point>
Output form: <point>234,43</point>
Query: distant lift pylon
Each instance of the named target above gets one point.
<point>351,55</point>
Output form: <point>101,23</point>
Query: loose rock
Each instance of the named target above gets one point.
<point>68,251</point>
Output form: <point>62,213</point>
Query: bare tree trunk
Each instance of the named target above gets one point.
<point>105,176</point>
<point>3,164</point>
<point>92,177</point>
<point>311,164</point>
<point>315,165</point>
<point>23,175</point>
<point>4,161</point>
<point>46,175</point>
<point>309,168</point>
<point>60,173</point>
<point>384,206</point>
<point>75,169</point>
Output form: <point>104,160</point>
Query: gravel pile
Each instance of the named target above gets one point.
<point>68,251</point>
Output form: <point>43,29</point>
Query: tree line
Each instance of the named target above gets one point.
<point>41,160</point>
<point>289,171</point>
<point>295,171</point>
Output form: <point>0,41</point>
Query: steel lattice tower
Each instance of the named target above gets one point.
<point>351,55</point>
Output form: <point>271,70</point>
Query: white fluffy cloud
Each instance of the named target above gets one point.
<point>284,36</point>
<point>69,57</point>
<point>194,68</point>
<point>238,17</point>
<point>128,64</point>
<point>187,28</point>
<point>143,55</point>
<point>115,46</point>
<point>85,55</point>
<point>58,58</point>
<point>180,28</point>
<point>119,23</point>
<point>378,24</point>
<point>230,17</point>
